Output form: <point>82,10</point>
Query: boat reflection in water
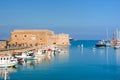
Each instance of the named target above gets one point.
<point>117,56</point>
<point>5,72</point>
<point>105,56</point>
<point>63,56</point>
<point>42,62</point>
<point>59,56</point>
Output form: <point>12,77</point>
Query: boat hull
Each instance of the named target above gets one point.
<point>100,45</point>
<point>116,47</point>
<point>7,61</point>
<point>8,65</point>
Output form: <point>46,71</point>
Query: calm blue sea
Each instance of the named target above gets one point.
<point>78,63</point>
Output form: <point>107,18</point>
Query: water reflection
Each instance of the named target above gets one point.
<point>42,61</point>
<point>107,55</point>
<point>5,72</point>
<point>117,56</point>
<point>81,49</point>
<point>101,51</point>
<point>62,56</point>
<point>96,56</point>
<point>32,64</point>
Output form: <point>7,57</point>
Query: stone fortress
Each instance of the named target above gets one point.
<point>29,38</point>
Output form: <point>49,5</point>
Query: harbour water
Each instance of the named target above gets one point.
<point>78,63</point>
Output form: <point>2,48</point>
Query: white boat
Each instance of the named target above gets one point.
<point>108,44</point>
<point>117,40</point>
<point>7,61</point>
<point>117,45</point>
<point>26,56</point>
<point>39,53</point>
<point>22,55</point>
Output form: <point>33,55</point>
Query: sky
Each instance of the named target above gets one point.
<point>81,19</point>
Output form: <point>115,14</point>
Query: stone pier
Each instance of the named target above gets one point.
<point>18,50</point>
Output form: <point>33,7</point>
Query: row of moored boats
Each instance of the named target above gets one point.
<point>8,61</point>
<point>103,43</point>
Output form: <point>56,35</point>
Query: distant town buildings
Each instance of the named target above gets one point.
<point>37,37</point>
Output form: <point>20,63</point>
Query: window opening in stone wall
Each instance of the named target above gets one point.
<point>36,44</point>
<point>54,43</point>
<point>25,35</point>
<point>15,35</point>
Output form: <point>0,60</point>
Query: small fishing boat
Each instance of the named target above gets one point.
<point>26,56</point>
<point>101,44</point>
<point>21,55</point>
<point>7,61</point>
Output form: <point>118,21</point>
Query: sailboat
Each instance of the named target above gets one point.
<point>104,43</point>
<point>108,43</point>
<point>117,43</point>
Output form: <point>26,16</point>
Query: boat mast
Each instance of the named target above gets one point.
<point>117,34</point>
<point>107,34</point>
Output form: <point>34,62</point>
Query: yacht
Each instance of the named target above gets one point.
<point>101,43</point>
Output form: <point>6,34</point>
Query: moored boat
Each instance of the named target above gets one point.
<point>116,39</point>
<point>117,45</point>
<point>108,43</point>
<point>26,56</point>
<point>101,44</point>
<point>7,61</point>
